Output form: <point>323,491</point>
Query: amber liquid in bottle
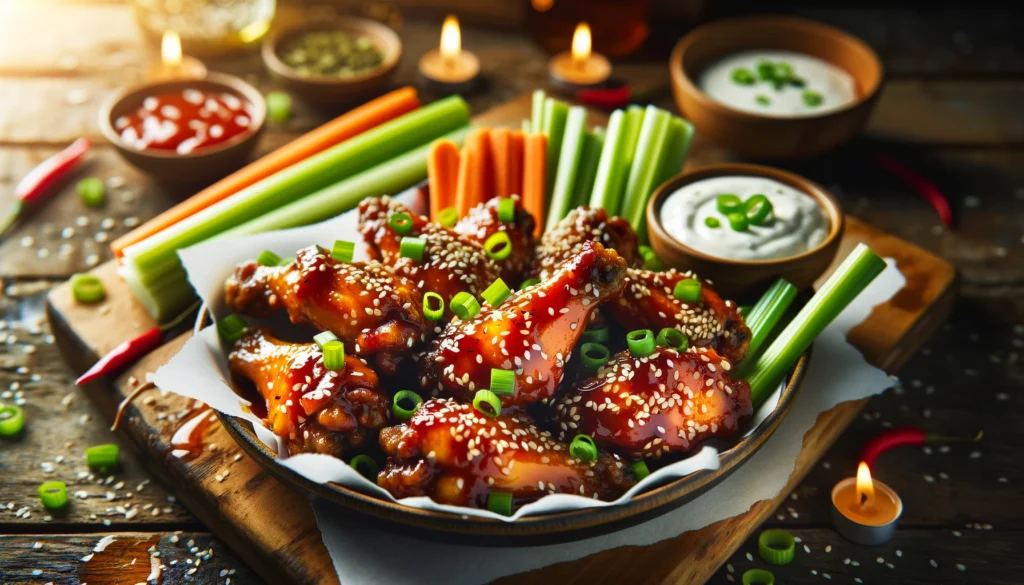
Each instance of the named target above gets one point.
<point>618,27</point>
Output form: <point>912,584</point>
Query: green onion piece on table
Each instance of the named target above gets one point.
<point>12,420</point>
<point>268,258</point>
<point>103,456</point>
<point>343,251</point>
<point>568,164</point>
<point>712,222</point>
<point>528,283</point>
<point>593,355</point>
<point>640,469</point>
<point>583,448</point>
<point>433,306</point>
<point>448,217</point>
<point>673,338</point>
<point>641,342</point>
<point>323,338</point>
<point>401,223</point>
<point>503,382</point>
<point>758,209</point>
<point>498,245</point>
<point>812,98</point>
<point>279,107</point>
<point>87,288</point>
<point>405,404</point>
<point>487,403</point>
<point>597,335</point>
<point>743,76</point>
<point>556,114</point>
<point>464,305</point>
<point>738,221</point>
<point>92,191</point>
<point>500,503</point>
<point>231,328</point>
<point>728,203</point>
<point>334,355</point>
<point>507,209</point>
<point>54,495</point>
<point>412,248</point>
<point>496,293</point>
<point>776,546</point>
<point>758,577</point>
<point>365,466</point>
<point>687,290</point>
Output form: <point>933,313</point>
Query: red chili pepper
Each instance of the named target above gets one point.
<point>905,436</point>
<point>38,181</point>
<point>131,350</point>
<point>924,188</point>
<point>608,98</point>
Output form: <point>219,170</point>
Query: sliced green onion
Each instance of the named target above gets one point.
<point>365,466</point>
<point>758,577</point>
<point>343,251</point>
<point>651,260</point>
<point>87,288</point>
<point>640,469</point>
<point>433,306</point>
<point>738,221</point>
<point>593,355</point>
<point>498,246</point>
<point>743,76</point>
<point>765,71</point>
<point>673,338</point>
<point>54,495</point>
<point>103,456</point>
<point>405,404</point>
<point>401,223</point>
<point>503,382</point>
<point>324,338</point>
<point>413,248</point>
<point>529,282</point>
<point>687,290</point>
<point>507,209</point>
<point>583,448</point>
<point>712,222</point>
<point>334,355</point>
<point>12,420</point>
<point>640,342</point>
<point>286,261</point>
<point>758,209</point>
<point>268,258</point>
<point>500,503</point>
<point>448,217</point>
<point>279,107</point>
<point>231,328</point>
<point>596,335</point>
<point>812,98</point>
<point>487,403</point>
<point>783,70</point>
<point>465,306</point>
<point>762,100</point>
<point>763,317</point>
<point>496,293</point>
<point>776,546</point>
<point>728,203</point>
<point>91,191</point>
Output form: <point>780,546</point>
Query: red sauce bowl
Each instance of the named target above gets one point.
<point>203,164</point>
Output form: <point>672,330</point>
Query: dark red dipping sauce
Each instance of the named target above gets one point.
<point>185,121</point>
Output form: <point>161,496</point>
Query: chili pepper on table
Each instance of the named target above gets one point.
<point>925,189</point>
<point>131,350</point>
<point>39,180</point>
<point>903,437</point>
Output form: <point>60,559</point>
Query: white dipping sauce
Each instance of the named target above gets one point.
<point>798,223</point>
<point>836,87</point>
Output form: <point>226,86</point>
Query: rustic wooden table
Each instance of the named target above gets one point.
<point>951,109</point>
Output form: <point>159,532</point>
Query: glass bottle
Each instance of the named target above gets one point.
<point>207,27</point>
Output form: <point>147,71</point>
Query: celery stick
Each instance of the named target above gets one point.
<point>592,144</point>
<point>616,158</point>
<point>555,114</point>
<point>680,133</point>
<point>644,171</point>
<point>537,111</point>
<point>568,162</point>
<point>526,127</point>
<point>763,317</point>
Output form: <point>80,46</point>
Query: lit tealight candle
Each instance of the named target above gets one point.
<point>449,68</point>
<point>580,67</point>
<point>865,511</point>
<point>172,64</point>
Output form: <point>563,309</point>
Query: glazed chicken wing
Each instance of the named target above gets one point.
<point>482,222</point>
<point>648,302</point>
<point>533,332</point>
<point>451,262</point>
<point>370,309</point>
<point>666,402</point>
<point>454,454</point>
<point>584,224</point>
<point>332,412</point>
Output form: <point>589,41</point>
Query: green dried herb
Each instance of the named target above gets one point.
<point>330,53</point>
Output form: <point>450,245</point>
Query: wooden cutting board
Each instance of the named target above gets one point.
<point>273,528</point>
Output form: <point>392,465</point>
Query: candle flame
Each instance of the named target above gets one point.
<point>865,487</point>
<point>170,49</point>
<point>581,42</point>
<point>451,38</point>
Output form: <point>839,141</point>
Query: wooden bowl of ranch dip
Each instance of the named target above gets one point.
<point>693,224</point>
<point>773,86</point>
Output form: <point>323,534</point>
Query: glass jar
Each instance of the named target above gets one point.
<point>619,27</point>
<point>207,27</point>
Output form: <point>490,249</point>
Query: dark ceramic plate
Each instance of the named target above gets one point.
<point>532,530</point>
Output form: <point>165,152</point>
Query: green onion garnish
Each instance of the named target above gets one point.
<point>12,420</point>
<point>762,100</point>
<point>487,403</point>
<point>433,306</point>
<point>593,355</point>
<point>268,258</point>
<point>279,107</point>
<point>334,355</point>
<point>401,223</point>
<point>365,466</point>
<point>103,456</point>
<point>757,577</point>
<point>596,335</point>
<point>712,222</point>
<point>413,248</point>
<point>500,503</point>
<point>812,98</point>
<point>498,246</point>
<point>765,71</point>
<point>54,495</point>
<point>758,209</point>
<point>231,328</point>
<point>640,342</point>
<point>728,203</point>
<point>503,382</point>
<point>286,261</point>
<point>673,338</point>
<point>405,404</point>
<point>91,191</point>
<point>640,469</point>
<point>743,76</point>
<point>529,282</point>
<point>343,251</point>
<point>448,217</point>
<point>783,71</point>
<point>507,209</point>
<point>87,288</point>
<point>324,337</point>
<point>687,290</point>
<point>651,260</point>
<point>496,293</point>
<point>465,306</point>
<point>738,221</point>
<point>583,448</point>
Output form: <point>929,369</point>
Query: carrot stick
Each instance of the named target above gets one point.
<point>501,147</point>
<point>515,163</point>
<point>476,172</point>
<point>534,160</point>
<point>356,121</point>
<point>443,176</point>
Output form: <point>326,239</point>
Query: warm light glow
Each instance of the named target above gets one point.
<point>542,5</point>
<point>865,487</point>
<point>451,38</point>
<point>170,49</point>
<point>581,42</point>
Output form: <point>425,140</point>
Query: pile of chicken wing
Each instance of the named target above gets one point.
<point>584,275</point>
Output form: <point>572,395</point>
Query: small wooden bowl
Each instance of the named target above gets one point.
<point>738,279</point>
<point>202,165</point>
<point>761,136</point>
<point>327,90</point>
